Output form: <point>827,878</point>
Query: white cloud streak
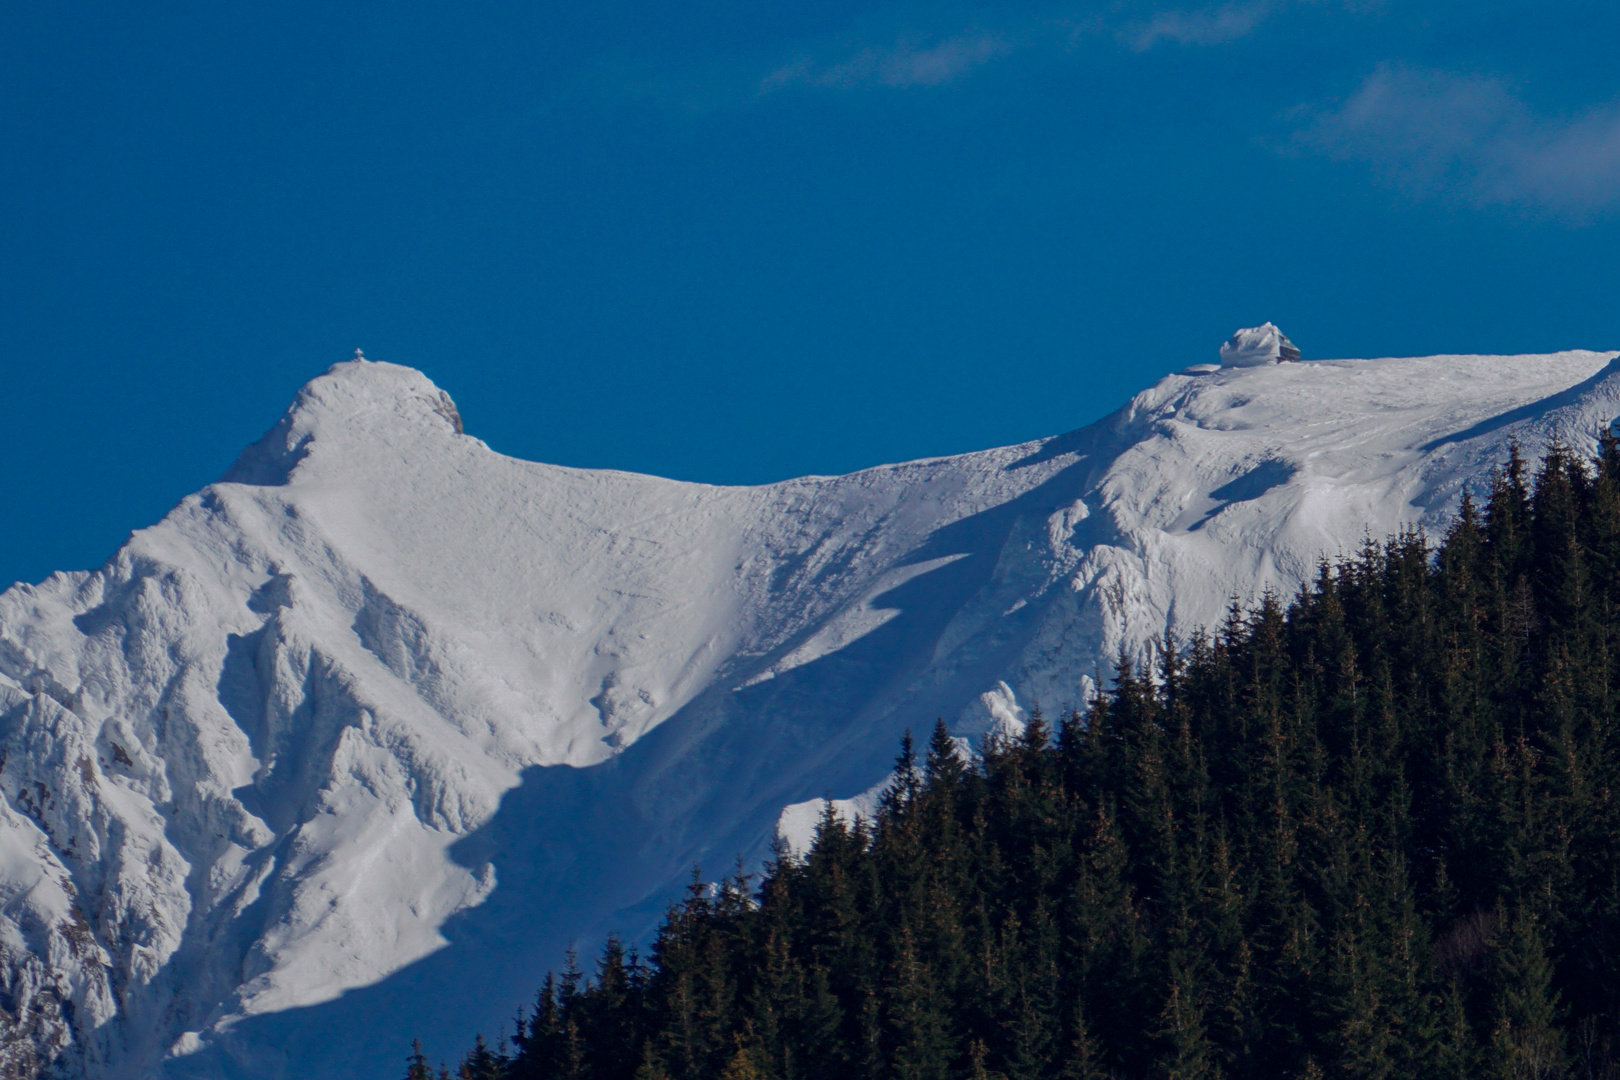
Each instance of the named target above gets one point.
<point>904,64</point>
<point>1209,26</point>
<point>1436,133</point>
<point>944,59</point>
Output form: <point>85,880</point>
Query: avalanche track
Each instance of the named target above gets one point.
<point>352,744</point>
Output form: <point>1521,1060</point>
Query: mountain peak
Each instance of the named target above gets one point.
<point>355,398</point>
<point>298,750</point>
<point>1257,345</point>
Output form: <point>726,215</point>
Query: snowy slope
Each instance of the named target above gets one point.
<point>353,743</point>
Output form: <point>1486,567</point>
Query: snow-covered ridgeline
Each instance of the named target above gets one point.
<point>383,687</point>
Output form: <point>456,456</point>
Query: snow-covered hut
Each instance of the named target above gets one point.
<point>1263,344</point>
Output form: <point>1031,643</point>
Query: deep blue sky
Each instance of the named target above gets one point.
<point>731,244</point>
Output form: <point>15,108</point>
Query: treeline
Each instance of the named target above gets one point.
<point>1371,833</point>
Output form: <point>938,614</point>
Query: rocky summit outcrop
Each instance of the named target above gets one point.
<point>1263,344</point>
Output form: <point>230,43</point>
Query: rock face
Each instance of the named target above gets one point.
<point>1263,344</point>
<point>350,746</point>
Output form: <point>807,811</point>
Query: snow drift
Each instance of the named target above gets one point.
<point>350,746</point>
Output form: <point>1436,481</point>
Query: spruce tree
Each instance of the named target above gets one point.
<point>416,1067</point>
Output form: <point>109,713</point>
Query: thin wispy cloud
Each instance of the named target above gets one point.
<point>925,61</point>
<point>1208,26</point>
<point>904,64</point>
<point>1433,133</point>
<point>928,52</point>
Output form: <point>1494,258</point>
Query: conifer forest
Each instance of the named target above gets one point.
<point>1368,831</point>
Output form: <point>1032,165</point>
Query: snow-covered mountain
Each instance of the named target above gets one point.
<point>353,743</point>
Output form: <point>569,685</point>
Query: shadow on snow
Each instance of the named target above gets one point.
<point>621,838</point>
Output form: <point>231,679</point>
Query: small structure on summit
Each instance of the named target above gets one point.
<point>1263,344</point>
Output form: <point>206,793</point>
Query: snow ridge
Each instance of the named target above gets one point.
<point>384,719</point>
